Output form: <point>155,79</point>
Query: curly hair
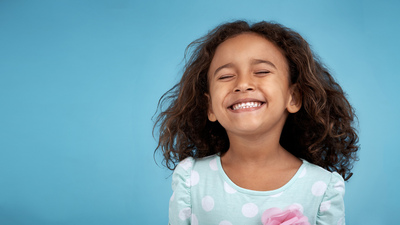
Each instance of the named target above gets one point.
<point>321,132</point>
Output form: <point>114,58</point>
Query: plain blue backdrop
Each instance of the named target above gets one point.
<point>80,81</point>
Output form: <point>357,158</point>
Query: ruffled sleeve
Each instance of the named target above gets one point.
<point>331,210</point>
<point>180,208</point>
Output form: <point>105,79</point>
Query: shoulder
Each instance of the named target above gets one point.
<point>182,173</point>
<point>185,164</point>
<point>188,169</point>
<point>324,193</point>
<point>329,188</point>
<point>322,182</point>
<point>314,172</point>
<point>189,163</point>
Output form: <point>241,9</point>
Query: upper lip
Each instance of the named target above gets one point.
<point>245,100</point>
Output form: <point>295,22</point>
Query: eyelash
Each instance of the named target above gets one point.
<point>229,76</point>
<point>225,77</point>
<point>263,72</point>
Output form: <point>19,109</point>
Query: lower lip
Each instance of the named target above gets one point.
<point>246,109</point>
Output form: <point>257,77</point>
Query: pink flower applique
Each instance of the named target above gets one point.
<point>290,216</point>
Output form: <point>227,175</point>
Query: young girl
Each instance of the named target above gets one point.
<point>261,131</point>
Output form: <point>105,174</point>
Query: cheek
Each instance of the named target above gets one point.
<point>216,103</point>
<point>216,94</point>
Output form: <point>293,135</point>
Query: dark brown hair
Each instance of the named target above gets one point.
<point>321,132</point>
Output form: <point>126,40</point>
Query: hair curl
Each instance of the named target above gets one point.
<point>321,132</point>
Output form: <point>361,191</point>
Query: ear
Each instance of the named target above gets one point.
<point>295,101</point>
<point>210,113</point>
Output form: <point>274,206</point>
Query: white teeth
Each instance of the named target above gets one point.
<point>246,105</point>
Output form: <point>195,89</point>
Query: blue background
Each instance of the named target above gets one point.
<point>80,81</point>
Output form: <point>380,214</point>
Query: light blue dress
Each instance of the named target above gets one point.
<point>203,194</point>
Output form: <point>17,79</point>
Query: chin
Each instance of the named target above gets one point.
<point>247,130</point>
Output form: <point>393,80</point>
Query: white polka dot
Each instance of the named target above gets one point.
<point>339,186</point>
<point>186,163</point>
<point>228,188</point>
<point>207,203</point>
<point>303,173</point>
<point>296,206</point>
<point>172,197</point>
<point>318,188</point>
<point>325,206</point>
<point>194,178</point>
<point>250,210</point>
<point>187,182</point>
<point>185,213</point>
<point>225,222</point>
<point>213,164</point>
<point>277,195</point>
<point>341,221</point>
<point>194,221</point>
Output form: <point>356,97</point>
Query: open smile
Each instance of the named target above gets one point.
<point>246,105</point>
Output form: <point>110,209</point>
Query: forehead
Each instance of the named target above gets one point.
<point>246,47</point>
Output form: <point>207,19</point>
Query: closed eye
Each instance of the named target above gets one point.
<point>263,72</point>
<point>225,77</point>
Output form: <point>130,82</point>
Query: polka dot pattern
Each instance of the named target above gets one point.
<point>187,182</point>
<point>225,222</point>
<point>341,221</point>
<point>325,206</point>
<point>207,189</point>
<point>185,213</point>
<point>194,178</point>
<point>213,164</point>
<point>249,210</point>
<point>296,206</point>
<point>318,188</point>
<point>194,220</point>
<point>207,203</point>
<point>303,173</point>
<point>277,195</point>
<point>228,189</point>
<point>339,186</point>
<point>186,163</point>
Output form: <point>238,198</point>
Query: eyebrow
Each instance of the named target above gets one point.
<point>260,61</point>
<point>228,65</point>
<point>253,62</point>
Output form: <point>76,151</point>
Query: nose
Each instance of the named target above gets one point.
<point>244,83</point>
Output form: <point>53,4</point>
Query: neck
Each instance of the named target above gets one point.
<point>254,149</point>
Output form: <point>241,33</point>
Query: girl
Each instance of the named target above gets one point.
<point>257,132</point>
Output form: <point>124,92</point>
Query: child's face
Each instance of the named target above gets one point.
<point>249,86</point>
